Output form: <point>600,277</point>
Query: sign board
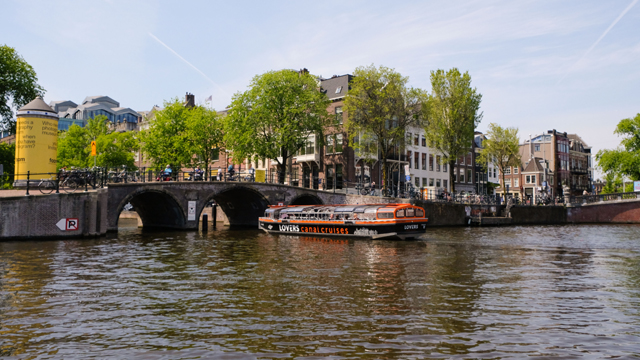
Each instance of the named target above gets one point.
<point>406,169</point>
<point>407,178</point>
<point>68,224</point>
<point>544,184</point>
<point>636,186</point>
<point>261,176</point>
<point>94,150</point>
<point>191,212</point>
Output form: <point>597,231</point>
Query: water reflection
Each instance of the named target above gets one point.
<point>459,292</point>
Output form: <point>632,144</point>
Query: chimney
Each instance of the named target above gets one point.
<point>189,100</point>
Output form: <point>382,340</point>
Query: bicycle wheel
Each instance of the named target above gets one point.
<point>69,185</point>
<point>46,186</point>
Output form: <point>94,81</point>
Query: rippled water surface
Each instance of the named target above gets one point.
<point>513,292</point>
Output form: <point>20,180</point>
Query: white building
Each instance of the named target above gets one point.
<point>426,166</point>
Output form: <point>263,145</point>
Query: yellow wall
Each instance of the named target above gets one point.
<point>36,146</point>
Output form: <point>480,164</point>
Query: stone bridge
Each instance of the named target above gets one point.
<point>165,204</point>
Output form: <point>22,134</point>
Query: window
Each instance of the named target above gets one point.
<point>424,181</point>
<point>430,181</point>
<point>515,182</point>
<point>339,114</point>
<point>416,139</point>
<point>494,173</point>
<point>424,161</point>
<point>330,144</point>
<point>385,215</point>
<point>507,171</point>
<point>338,89</point>
<point>416,180</point>
<point>461,179</point>
<point>438,163</point>
<point>437,182</point>
<point>400,213</point>
<point>338,143</point>
<point>409,138</point>
<point>533,179</point>
<point>469,159</point>
<point>461,160</point>
<point>537,147</point>
<point>424,141</point>
<point>410,212</point>
<point>430,162</point>
<point>508,182</point>
<point>444,184</point>
<point>444,167</point>
<point>469,175</point>
<point>215,154</point>
<point>515,170</point>
<point>416,161</point>
<point>550,179</point>
<point>409,158</point>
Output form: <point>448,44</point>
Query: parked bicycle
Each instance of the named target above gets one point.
<point>46,186</point>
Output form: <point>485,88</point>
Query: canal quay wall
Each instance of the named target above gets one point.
<point>614,212</point>
<point>54,216</point>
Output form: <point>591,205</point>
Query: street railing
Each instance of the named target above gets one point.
<point>591,199</point>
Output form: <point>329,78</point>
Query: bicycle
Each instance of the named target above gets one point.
<point>46,186</point>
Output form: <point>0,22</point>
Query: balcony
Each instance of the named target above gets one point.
<point>577,170</point>
<point>307,158</point>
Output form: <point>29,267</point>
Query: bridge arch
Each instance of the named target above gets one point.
<point>241,204</point>
<point>156,208</point>
<point>306,199</point>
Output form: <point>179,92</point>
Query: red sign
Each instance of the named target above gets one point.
<point>68,224</point>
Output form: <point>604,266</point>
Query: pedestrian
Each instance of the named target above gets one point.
<point>219,174</point>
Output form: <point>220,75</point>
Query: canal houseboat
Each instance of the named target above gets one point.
<point>374,221</point>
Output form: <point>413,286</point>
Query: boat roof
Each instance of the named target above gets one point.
<point>342,208</point>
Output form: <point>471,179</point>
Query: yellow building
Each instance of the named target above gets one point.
<point>36,141</point>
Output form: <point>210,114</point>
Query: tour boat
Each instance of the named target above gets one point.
<point>374,221</point>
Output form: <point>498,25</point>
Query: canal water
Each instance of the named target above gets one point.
<point>492,293</point>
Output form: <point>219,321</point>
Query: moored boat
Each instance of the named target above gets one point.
<point>375,221</point>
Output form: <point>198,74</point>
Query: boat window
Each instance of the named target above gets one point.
<point>419,212</point>
<point>410,212</point>
<point>385,215</point>
<point>400,213</point>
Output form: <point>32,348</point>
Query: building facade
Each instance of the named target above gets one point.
<point>70,113</point>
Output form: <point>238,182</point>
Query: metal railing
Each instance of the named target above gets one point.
<point>591,199</point>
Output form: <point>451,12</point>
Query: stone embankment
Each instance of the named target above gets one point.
<point>54,216</point>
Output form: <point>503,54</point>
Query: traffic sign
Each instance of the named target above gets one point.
<point>68,224</point>
<point>94,150</point>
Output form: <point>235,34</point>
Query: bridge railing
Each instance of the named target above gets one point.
<point>53,182</point>
<point>592,199</point>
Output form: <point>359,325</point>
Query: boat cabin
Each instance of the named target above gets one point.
<point>345,212</point>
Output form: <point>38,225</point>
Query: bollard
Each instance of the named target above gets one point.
<point>214,211</point>
<point>205,222</point>
<point>28,174</point>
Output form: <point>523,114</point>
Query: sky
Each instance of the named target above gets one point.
<point>573,66</point>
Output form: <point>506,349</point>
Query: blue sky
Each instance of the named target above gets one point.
<point>534,61</point>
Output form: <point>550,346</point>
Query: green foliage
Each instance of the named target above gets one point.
<point>380,107</point>
<point>18,85</point>
<point>7,159</point>
<point>114,148</point>
<point>452,114</point>
<point>501,148</point>
<point>274,117</point>
<point>182,136</point>
<point>625,160</point>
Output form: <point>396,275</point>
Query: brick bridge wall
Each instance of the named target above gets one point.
<point>617,212</point>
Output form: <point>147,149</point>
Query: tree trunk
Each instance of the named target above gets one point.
<point>282,167</point>
<point>452,168</point>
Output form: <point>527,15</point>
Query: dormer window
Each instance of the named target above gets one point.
<point>338,89</point>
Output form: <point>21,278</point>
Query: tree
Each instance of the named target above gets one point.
<point>380,107</point>
<point>18,85</point>
<point>205,135</point>
<point>625,160</point>
<point>501,148</point>
<point>274,118</point>
<point>183,136</point>
<point>165,142</point>
<point>114,148</point>
<point>7,159</point>
<point>451,115</point>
